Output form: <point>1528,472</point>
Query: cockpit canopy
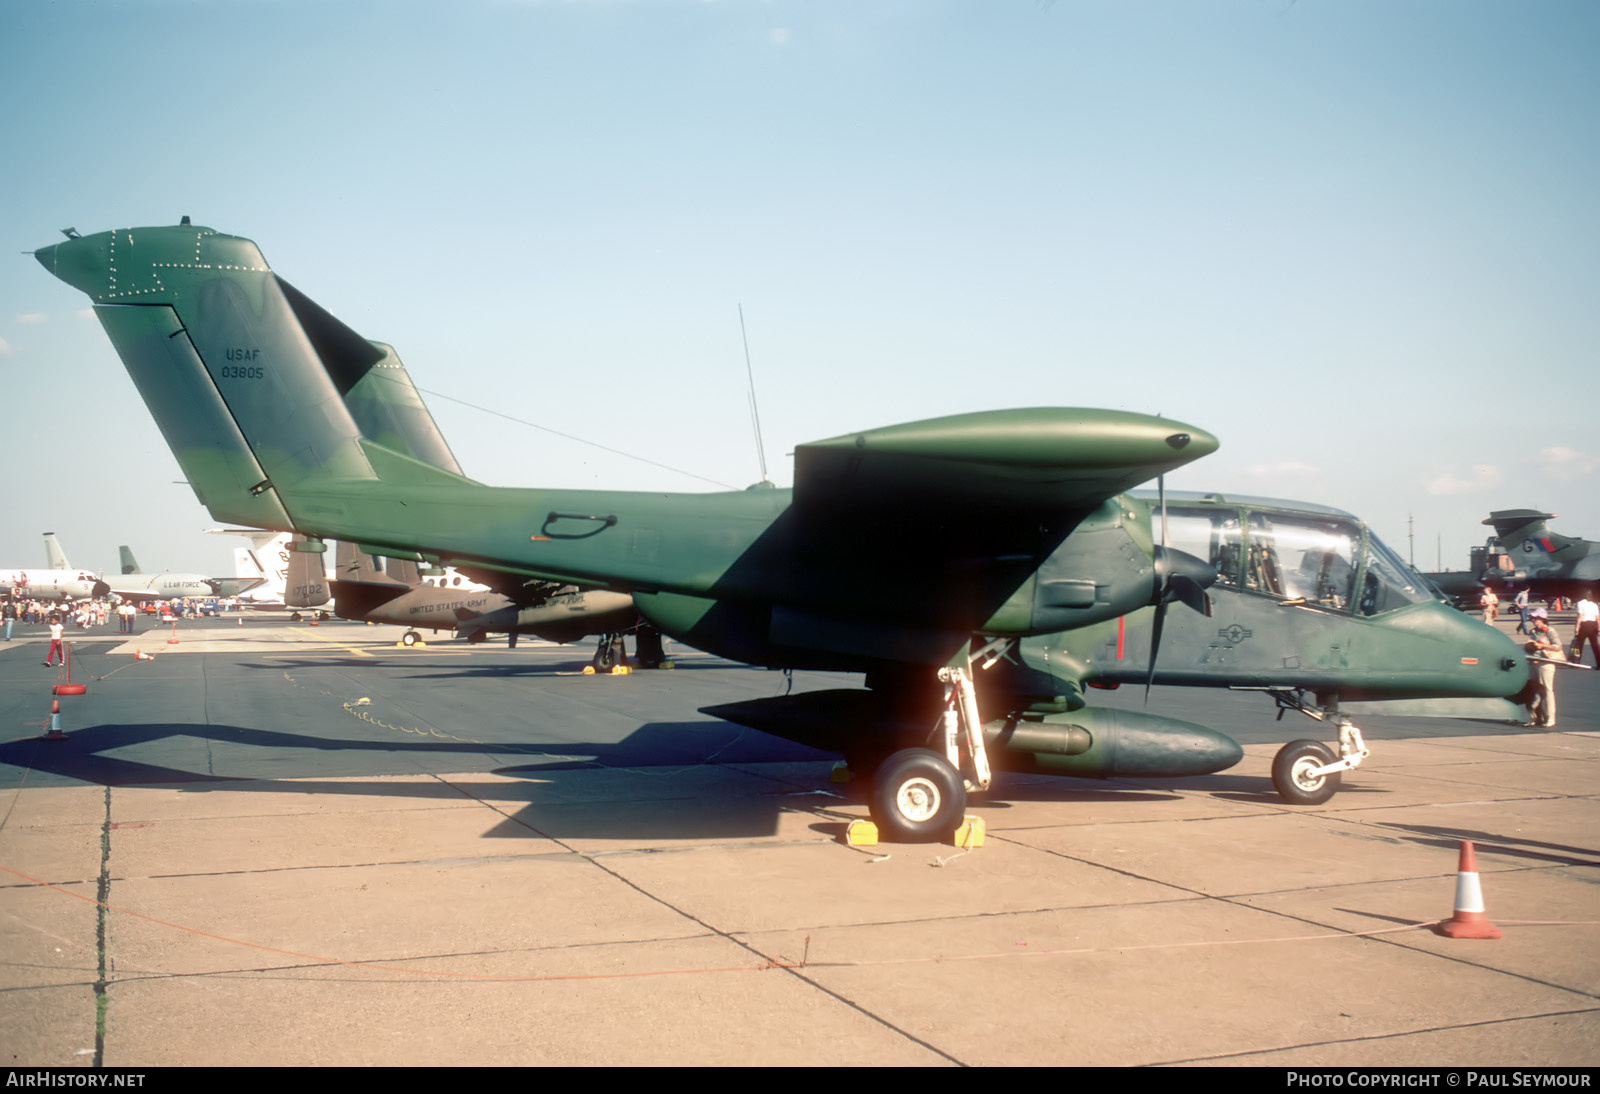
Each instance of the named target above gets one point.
<point>1322,557</point>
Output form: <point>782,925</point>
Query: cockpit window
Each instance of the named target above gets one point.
<point>1389,583</point>
<point>1211,535</point>
<point>1302,558</point>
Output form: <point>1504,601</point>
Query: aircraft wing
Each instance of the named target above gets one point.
<point>1040,463</point>
<point>139,595</point>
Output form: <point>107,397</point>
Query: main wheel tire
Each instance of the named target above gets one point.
<point>917,797</point>
<point>1290,769</point>
<point>605,657</point>
<point>410,638</point>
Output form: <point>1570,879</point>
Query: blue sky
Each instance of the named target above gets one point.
<point>1359,241</point>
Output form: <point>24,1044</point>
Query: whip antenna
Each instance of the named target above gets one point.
<point>755,414</point>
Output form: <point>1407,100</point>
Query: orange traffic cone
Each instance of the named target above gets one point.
<point>54,732</point>
<point>1469,920</point>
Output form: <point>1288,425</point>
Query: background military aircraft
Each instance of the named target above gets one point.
<point>554,612</point>
<point>1524,553</point>
<point>130,584</point>
<point>44,583</point>
<point>908,553</point>
<point>273,575</point>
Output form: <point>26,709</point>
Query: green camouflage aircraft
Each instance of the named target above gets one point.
<point>910,553</point>
<point>1524,553</point>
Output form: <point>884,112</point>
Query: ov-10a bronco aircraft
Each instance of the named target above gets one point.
<point>399,594</point>
<point>907,553</point>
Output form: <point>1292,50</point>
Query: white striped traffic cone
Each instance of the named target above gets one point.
<point>1469,920</point>
<point>54,732</point>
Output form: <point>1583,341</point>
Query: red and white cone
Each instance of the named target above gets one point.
<point>54,732</point>
<point>1469,920</point>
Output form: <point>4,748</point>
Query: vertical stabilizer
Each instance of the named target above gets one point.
<point>246,565</point>
<point>356,565</point>
<point>130,565</point>
<point>245,377</point>
<point>1523,532</point>
<point>403,570</point>
<point>307,578</point>
<point>54,557</point>
<point>388,409</point>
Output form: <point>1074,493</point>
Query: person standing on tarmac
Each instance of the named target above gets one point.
<point>1588,628</point>
<point>1543,652</point>
<point>55,642</point>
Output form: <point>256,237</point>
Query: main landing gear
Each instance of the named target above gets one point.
<point>1307,772</point>
<point>647,649</point>
<point>609,653</point>
<point>919,795</point>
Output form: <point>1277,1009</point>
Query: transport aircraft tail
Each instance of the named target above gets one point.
<point>245,565</point>
<point>54,557</point>
<point>272,561</point>
<point>130,565</point>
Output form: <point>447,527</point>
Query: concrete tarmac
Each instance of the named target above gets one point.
<point>291,845</point>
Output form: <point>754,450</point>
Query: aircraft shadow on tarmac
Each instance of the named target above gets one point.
<point>726,784</point>
<point>594,789</point>
<point>436,670</point>
<point>1498,844</point>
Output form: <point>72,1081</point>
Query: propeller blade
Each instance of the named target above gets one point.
<point>1178,576</point>
<point>1155,646</point>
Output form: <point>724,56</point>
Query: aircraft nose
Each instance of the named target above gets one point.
<point>1511,657</point>
<point>1504,657</point>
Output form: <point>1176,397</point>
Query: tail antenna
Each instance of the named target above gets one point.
<point>755,413</point>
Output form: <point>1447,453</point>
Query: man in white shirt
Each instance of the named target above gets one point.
<point>1588,628</point>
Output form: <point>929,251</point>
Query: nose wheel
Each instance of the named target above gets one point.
<point>1295,773</point>
<point>1307,772</point>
